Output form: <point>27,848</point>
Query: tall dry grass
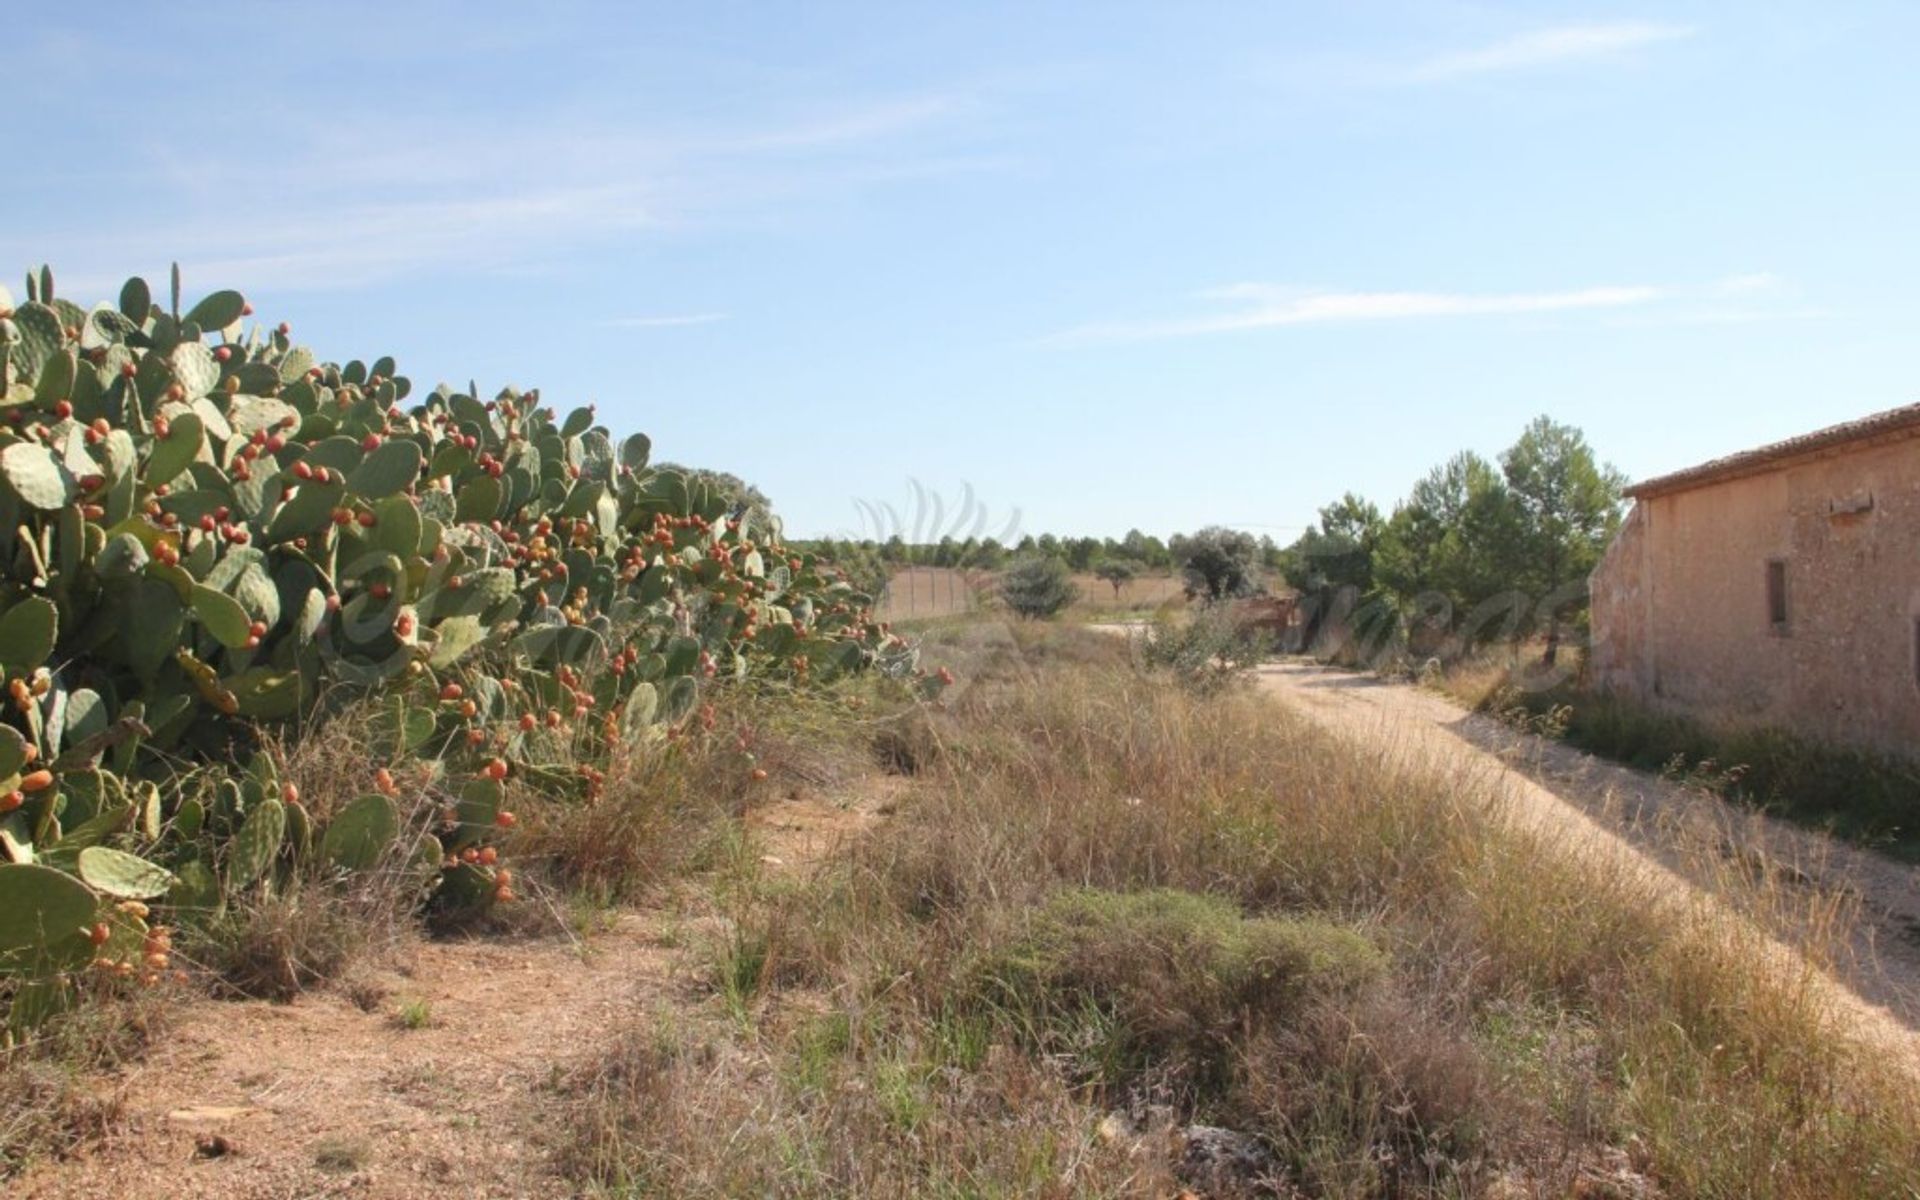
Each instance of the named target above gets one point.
<point>305,924</point>
<point>58,1088</point>
<point>1858,795</point>
<point>1546,1024</point>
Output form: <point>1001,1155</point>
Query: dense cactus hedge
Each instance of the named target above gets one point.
<point>206,531</point>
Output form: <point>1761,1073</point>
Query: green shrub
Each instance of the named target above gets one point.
<point>1037,588</point>
<point>1167,979</point>
<point>1218,563</point>
<point>1205,653</point>
<point>1116,571</point>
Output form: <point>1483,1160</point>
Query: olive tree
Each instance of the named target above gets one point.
<point>1037,587</point>
<point>1218,562</point>
<point>1116,571</point>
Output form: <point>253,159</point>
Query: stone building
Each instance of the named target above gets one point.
<point>1776,587</point>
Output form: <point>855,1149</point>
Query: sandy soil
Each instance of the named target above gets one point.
<point>322,1098</point>
<point>1640,822</point>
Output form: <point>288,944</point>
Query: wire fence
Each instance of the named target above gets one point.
<point>914,593</point>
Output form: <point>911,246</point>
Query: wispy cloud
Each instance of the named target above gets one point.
<point>1751,283</point>
<point>876,121</point>
<point>663,322</point>
<point>1742,298</point>
<point>446,199</point>
<point>1747,298</point>
<point>1264,306</point>
<point>1546,47</point>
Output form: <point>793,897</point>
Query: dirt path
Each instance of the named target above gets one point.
<point>1637,822</point>
<point>324,1097</point>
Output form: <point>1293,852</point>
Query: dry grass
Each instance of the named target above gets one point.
<point>56,1090</point>
<point>298,928</point>
<point>305,925</point>
<point>1143,593</point>
<point>917,594</point>
<point>1112,906</point>
<point>1863,797</point>
<point>669,809</point>
<point>896,1026</point>
<point>821,1107</point>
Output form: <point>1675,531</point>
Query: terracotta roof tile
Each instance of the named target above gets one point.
<point>1885,426</point>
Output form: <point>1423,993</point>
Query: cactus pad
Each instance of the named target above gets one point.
<point>254,846</point>
<point>42,913</point>
<point>361,833</point>
<point>122,875</point>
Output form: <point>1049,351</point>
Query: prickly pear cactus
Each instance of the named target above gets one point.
<point>253,847</point>
<point>206,531</point>
<point>45,916</point>
<point>362,833</point>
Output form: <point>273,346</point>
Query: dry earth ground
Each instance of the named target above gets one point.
<point>1142,592</point>
<point>322,1097</point>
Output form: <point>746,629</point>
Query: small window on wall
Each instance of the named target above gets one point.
<point>1777,614</point>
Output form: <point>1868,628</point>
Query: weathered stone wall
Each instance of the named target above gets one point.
<point>1680,610</point>
<point>1621,611</point>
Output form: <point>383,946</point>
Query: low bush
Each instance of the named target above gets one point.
<point>1037,587</point>
<point>1203,652</point>
<point>1165,980</point>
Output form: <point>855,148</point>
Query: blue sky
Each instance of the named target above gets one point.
<point>1110,264</point>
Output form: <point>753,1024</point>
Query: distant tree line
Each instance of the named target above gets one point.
<point>1214,562</point>
<point>1080,554</point>
<point>1477,552</point>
